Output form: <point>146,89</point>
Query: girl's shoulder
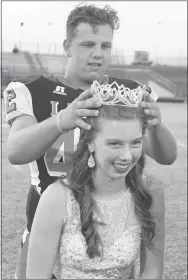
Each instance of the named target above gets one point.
<point>52,206</point>
<point>56,189</point>
<point>55,195</point>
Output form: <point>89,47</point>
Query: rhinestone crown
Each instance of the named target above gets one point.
<point>113,94</point>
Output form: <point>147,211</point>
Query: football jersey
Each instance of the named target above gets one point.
<point>42,97</point>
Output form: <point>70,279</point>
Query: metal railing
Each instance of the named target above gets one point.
<point>118,56</point>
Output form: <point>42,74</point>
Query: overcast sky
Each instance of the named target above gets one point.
<point>159,26</point>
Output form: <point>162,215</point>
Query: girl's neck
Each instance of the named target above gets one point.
<point>107,188</point>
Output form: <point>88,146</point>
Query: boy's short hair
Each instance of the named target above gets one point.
<point>93,15</point>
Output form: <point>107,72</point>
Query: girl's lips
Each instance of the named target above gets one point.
<point>95,64</point>
<point>121,167</point>
<point>123,164</point>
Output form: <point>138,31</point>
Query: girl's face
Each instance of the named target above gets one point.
<point>117,147</point>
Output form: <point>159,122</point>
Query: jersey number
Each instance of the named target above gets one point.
<point>55,158</point>
<point>10,104</point>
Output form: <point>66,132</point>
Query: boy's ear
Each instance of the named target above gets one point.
<point>67,47</point>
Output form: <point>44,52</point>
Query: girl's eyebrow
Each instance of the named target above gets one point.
<point>93,42</point>
<point>119,140</point>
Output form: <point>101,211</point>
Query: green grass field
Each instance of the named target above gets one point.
<point>15,186</point>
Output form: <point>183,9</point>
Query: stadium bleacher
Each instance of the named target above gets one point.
<point>16,64</point>
<point>54,64</point>
<point>176,75</point>
<point>172,79</point>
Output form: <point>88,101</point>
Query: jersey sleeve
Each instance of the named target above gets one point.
<point>18,101</point>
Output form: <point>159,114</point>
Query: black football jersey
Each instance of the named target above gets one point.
<point>42,97</point>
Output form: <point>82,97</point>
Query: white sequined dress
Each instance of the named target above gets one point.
<point>121,238</point>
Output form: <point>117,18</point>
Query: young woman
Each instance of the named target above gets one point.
<point>94,223</point>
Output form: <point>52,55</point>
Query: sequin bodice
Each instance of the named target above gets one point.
<point>120,237</point>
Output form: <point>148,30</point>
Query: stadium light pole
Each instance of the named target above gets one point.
<point>157,42</point>
<point>50,33</point>
<point>20,35</point>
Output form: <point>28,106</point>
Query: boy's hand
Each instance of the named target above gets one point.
<point>151,109</point>
<point>83,106</point>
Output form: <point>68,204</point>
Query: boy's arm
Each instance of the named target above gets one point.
<point>152,259</point>
<point>28,139</point>
<point>159,144</point>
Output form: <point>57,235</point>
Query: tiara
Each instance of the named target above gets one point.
<point>113,94</point>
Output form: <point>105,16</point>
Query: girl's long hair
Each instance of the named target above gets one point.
<point>81,183</point>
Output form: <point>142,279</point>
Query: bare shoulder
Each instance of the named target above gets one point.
<point>53,203</point>
<point>55,193</point>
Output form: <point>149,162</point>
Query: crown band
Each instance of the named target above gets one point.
<point>113,94</point>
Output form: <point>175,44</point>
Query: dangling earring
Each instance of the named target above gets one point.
<point>91,161</point>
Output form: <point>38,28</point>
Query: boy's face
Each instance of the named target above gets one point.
<point>90,51</point>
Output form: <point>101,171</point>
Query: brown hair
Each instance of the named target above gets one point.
<point>80,181</point>
<point>93,15</point>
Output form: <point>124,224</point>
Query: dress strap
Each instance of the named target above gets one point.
<point>73,209</point>
<point>69,201</point>
<point>69,197</point>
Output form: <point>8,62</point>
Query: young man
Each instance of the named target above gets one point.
<point>36,108</point>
